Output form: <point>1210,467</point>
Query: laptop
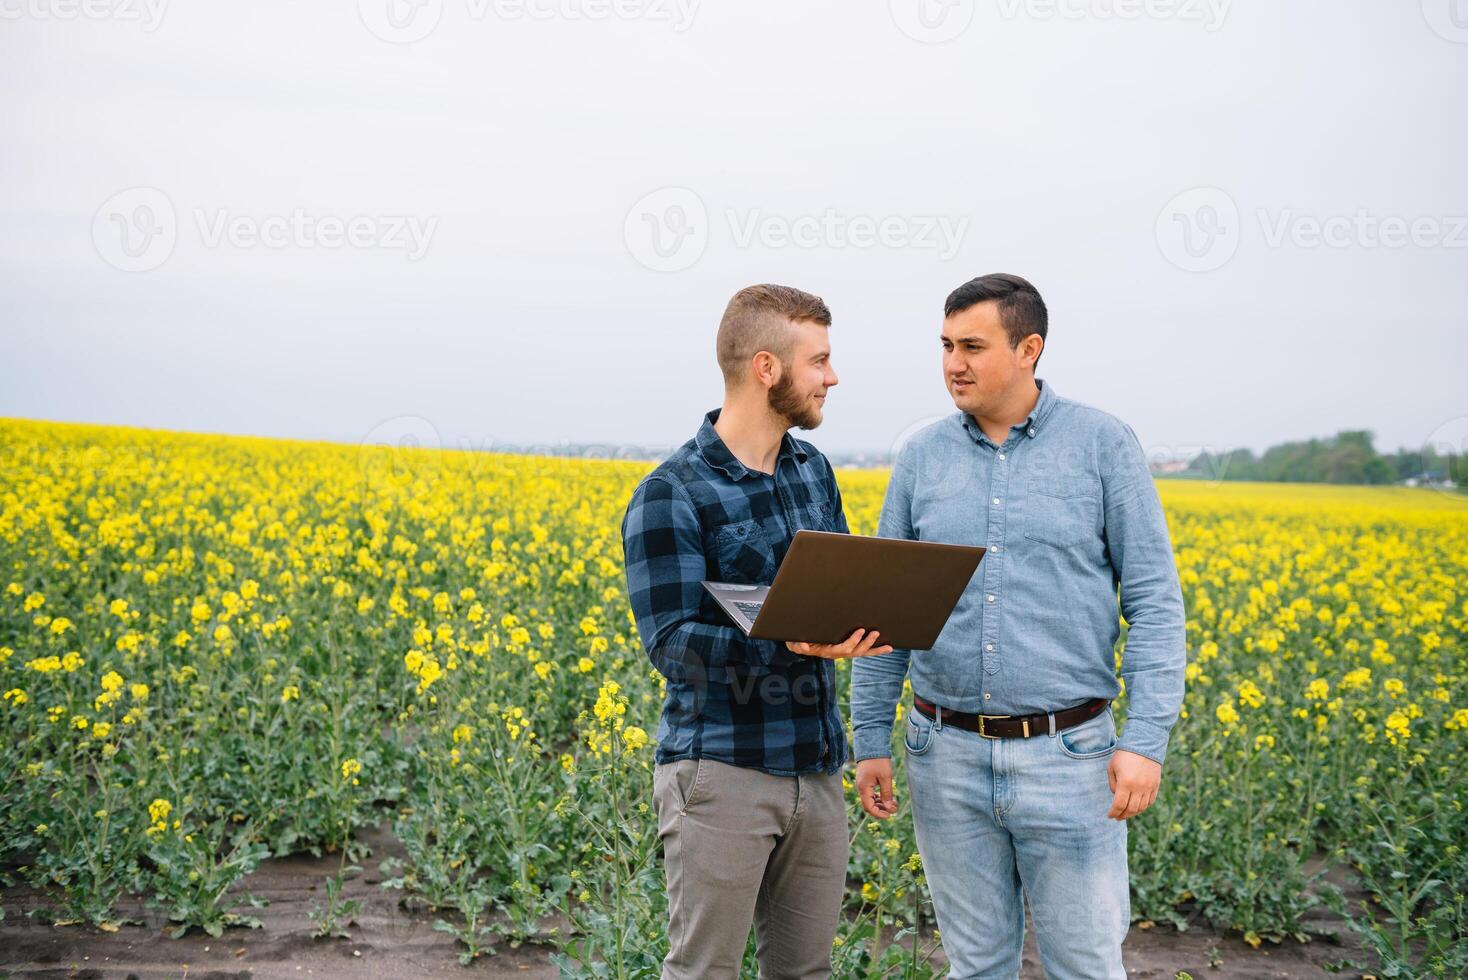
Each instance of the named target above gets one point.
<point>831,584</point>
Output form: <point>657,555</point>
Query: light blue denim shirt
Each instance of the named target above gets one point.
<point>1069,512</point>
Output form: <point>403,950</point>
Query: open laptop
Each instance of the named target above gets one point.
<point>831,584</point>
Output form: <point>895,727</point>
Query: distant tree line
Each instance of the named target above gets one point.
<point>1347,457</point>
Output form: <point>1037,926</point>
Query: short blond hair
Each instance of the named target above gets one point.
<point>758,318</point>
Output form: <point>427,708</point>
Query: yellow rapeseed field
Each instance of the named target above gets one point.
<point>214,649</point>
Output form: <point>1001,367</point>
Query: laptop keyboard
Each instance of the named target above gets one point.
<point>750,609</point>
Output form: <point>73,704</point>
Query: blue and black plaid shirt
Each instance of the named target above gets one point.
<point>703,515</point>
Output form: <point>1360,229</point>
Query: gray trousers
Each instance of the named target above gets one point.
<point>742,846</point>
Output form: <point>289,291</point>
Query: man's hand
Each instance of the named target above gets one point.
<point>1134,779</point>
<point>874,787</point>
<point>854,646</point>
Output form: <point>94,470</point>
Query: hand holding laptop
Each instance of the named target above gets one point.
<point>855,645</point>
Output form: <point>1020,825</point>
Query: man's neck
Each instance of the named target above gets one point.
<point>1014,410</point>
<point>752,434</point>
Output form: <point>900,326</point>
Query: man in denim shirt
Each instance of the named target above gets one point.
<point>1033,797</point>
<point>747,785</point>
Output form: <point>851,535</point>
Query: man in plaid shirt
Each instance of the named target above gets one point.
<point>751,742</point>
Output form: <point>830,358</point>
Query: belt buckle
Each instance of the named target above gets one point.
<point>984,734</point>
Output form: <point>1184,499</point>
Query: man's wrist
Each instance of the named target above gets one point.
<point>869,743</point>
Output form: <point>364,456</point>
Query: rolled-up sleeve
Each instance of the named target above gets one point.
<point>1154,658</point>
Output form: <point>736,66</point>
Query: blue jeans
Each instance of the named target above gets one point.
<point>998,818</point>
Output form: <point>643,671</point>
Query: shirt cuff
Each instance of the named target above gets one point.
<point>872,742</point>
<point>1145,738</point>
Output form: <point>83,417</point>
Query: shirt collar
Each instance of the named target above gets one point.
<point>716,454</point>
<point>1032,423</point>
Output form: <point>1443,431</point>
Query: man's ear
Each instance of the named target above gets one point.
<point>1035,344</point>
<point>766,364</point>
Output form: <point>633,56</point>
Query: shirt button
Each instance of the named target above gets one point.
<point>986,695</point>
<point>996,500</point>
<point>997,548</point>
<point>1001,455</point>
<point>990,597</point>
<point>988,646</point>
<point>1032,432</point>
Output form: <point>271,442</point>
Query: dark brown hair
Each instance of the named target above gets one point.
<point>1021,310</point>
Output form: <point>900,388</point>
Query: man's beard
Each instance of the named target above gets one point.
<point>791,406</point>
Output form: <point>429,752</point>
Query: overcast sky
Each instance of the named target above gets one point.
<point>518,221</point>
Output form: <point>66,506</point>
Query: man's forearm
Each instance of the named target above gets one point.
<point>876,687</point>
<point>689,651</point>
<point>1153,665</point>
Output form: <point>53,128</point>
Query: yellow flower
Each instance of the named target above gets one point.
<point>1250,695</point>
<point>633,738</point>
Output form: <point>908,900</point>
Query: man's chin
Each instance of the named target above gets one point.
<point>807,421</point>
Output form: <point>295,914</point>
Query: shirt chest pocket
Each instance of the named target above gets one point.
<point>820,517</point>
<point>744,555</point>
<point>1065,514</point>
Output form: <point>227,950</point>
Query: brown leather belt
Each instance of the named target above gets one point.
<point>1013,726</point>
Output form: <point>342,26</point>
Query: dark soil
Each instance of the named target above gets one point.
<point>391,942</point>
